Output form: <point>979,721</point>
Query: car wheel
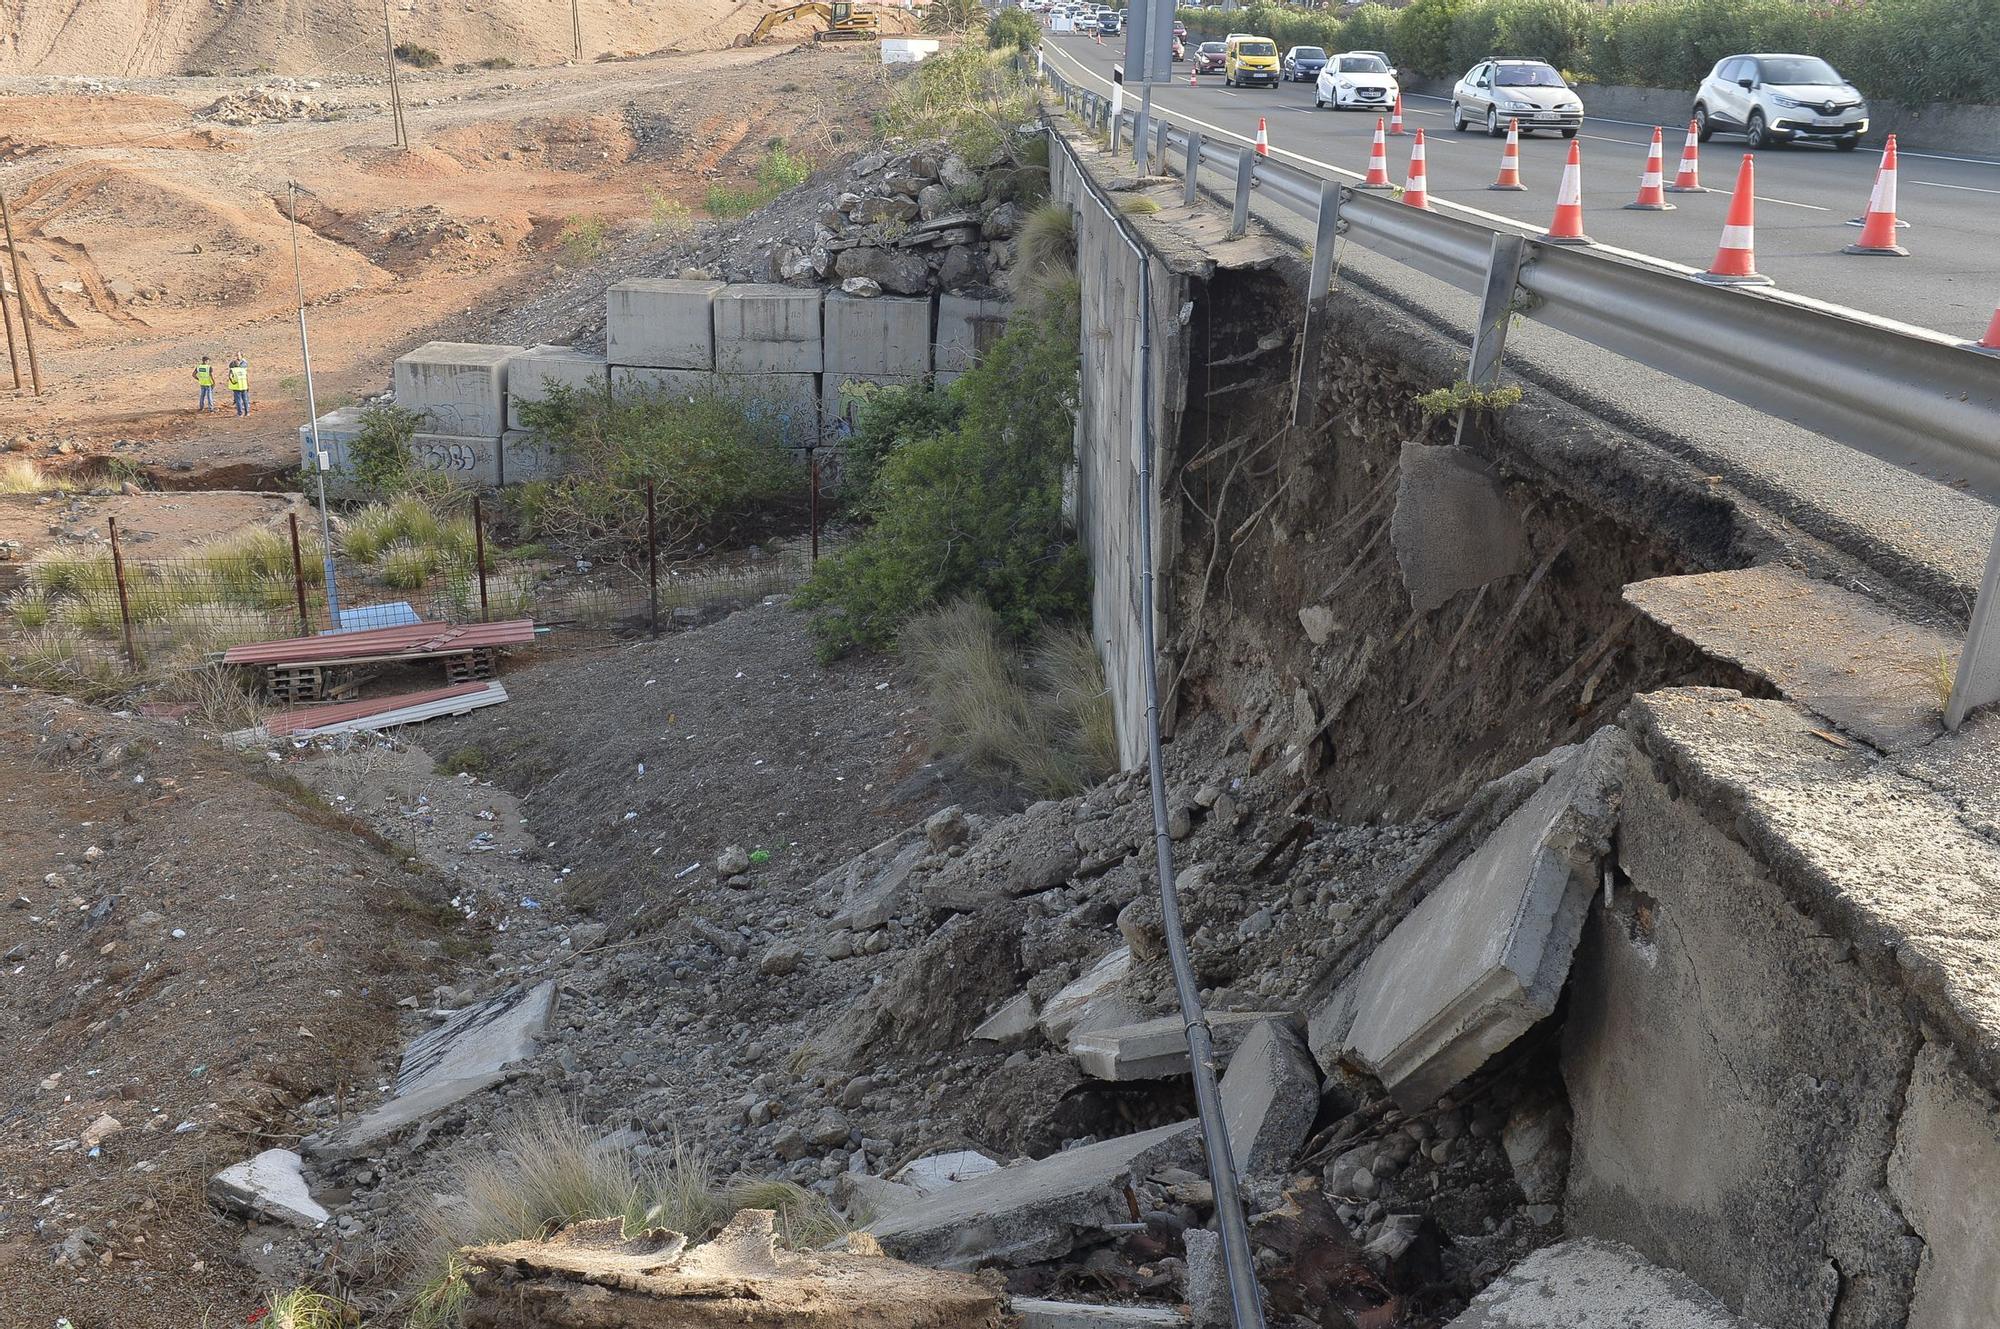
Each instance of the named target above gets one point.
<point>1702,130</point>
<point>1493,129</point>
<point>1754,132</point>
<point>1457,118</point>
<point>1569,133</point>
<point>1848,144</point>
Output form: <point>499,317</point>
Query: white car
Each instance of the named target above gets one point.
<point>1530,91</point>
<point>1773,99</point>
<point>1356,78</point>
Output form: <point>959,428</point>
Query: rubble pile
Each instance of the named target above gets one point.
<point>268,103</point>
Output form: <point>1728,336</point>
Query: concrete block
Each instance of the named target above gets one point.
<point>842,396</point>
<point>1945,1176</point>
<point>661,323</point>
<point>269,1186</point>
<point>868,904</point>
<point>531,373</point>
<point>1270,1096</point>
<point>1453,529</point>
<point>1035,1211</point>
<point>966,327</point>
<point>1483,958</point>
<point>767,329</point>
<point>1038,1314</point>
<point>336,430</point>
<point>931,1174</point>
<point>473,460</point>
<point>1014,1020</point>
<point>459,388</point>
<point>1153,1049</point>
<point>1209,1304</point>
<point>1090,1001</point>
<point>1594,1285</point>
<point>882,335</point>
<point>467,1053</point>
<point>523,457</point>
<point>787,403</point>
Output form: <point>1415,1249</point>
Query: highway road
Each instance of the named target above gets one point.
<point>1908,533</point>
<point>1805,195</point>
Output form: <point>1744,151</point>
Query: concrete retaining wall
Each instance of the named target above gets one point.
<point>877,335</point>
<point>768,329</point>
<point>789,403</point>
<point>661,323</point>
<point>460,388</point>
<point>531,373</point>
<point>966,326</point>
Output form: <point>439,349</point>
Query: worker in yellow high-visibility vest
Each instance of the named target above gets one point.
<point>204,378</point>
<point>239,384</point>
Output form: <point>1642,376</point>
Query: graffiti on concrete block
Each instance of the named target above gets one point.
<point>451,457</point>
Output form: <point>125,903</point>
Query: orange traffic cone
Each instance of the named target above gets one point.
<point>1652,193</point>
<point>1878,227</point>
<point>1378,162</point>
<point>1191,79</point>
<point>1396,116</point>
<point>1990,343</point>
<point>1510,160</point>
<point>1414,191</point>
<point>1263,139</point>
<point>1567,228</point>
<point>1688,180</point>
<point>1736,257</point>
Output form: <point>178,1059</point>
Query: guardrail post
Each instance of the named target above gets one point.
<point>1977,682</point>
<point>1324,235</point>
<point>1496,311</point>
<point>1117,123</point>
<point>1246,168</point>
<point>1160,144</point>
<point>1189,192</point>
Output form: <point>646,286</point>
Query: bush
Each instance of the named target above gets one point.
<point>1013,29</point>
<point>19,475</point>
<point>380,452</point>
<point>583,238</point>
<point>889,419</point>
<point>972,98</point>
<point>781,169</point>
<point>423,57</point>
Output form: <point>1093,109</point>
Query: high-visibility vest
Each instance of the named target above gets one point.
<point>205,375</point>
<point>239,378</point>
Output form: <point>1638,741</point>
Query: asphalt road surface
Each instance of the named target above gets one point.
<point>1912,534</point>
<point>1805,195</point>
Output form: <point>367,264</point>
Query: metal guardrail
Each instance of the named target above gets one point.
<point>1906,395</point>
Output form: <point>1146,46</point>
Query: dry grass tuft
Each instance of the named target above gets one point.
<point>19,475</point>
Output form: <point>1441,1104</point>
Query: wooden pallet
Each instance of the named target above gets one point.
<point>291,683</point>
<point>469,666</point>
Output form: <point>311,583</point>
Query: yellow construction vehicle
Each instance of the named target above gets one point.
<point>844,23</point>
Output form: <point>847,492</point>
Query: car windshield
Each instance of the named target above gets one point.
<point>1362,64</point>
<point>1809,70</point>
<point>1257,48</point>
<point>1526,76</point>
<point>1211,48</point>
<point>1308,53</point>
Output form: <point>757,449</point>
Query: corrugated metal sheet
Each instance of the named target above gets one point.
<point>413,640</point>
<point>381,712</point>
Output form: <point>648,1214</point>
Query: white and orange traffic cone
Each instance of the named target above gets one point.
<point>1415,192</point>
<point>1990,343</point>
<point>1652,189</point>
<point>1510,160</point>
<point>1736,257</point>
<point>1378,162</point>
<point>1878,227</point>
<point>1263,139</point>
<point>1191,77</point>
<point>1567,228</point>
<point>1688,179</point>
<point>1396,115</point>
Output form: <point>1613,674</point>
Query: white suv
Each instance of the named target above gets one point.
<point>1773,99</point>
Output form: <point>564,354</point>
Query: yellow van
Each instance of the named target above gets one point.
<point>1250,60</point>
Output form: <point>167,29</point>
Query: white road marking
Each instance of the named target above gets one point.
<point>1785,202</point>
<point>1939,184</point>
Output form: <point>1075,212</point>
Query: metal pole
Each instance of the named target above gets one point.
<point>479,553</point>
<point>812,465</point>
<point>1978,680</point>
<point>1142,130</point>
<point>1496,310</point>
<point>312,418</point>
<point>298,573</point>
<point>576,29</point>
<point>21,294</point>
<point>652,560</point>
<point>124,606</point>
<point>1323,237</point>
<point>1160,143</point>
<point>13,353</point>
<point>1188,192</point>
<point>1246,175</point>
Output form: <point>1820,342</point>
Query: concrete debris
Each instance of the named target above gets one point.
<point>1091,1001</point>
<point>462,1056</point>
<point>1155,1049</point>
<point>870,904</point>
<point>1270,1096</point>
<point>1014,1021</point>
<point>947,828</point>
<point>1537,1140</point>
<point>928,1176</point>
<point>590,1275</point>
<point>1207,1281</point>
<point>1037,1314</point>
<point>1587,1284</point>
<point>269,1186</point>
<point>1038,1210</point>
<point>1943,1174</point>
<point>1453,528</point>
<point>1484,957</point>
<point>1037,854</point>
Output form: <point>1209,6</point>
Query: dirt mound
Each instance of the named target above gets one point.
<point>264,105</point>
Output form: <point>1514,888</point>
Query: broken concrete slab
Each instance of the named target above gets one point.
<point>1453,528</point>
<point>1091,1000</point>
<point>870,901</point>
<point>1014,1020</point>
<point>1837,652</point>
<point>1944,1175</point>
<point>1155,1049</point>
<point>1270,1096</point>
<point>1038,1314</point>
<point>1038,1210</point>
<point>1483,958</point>
<point>1207,1279</point>
<point>467,1053</point>
<point>1589,1284</point>
<point>929,1175</point>
<point>270,1186</point>
<point>1034,851</point>
<point>591,1275</point>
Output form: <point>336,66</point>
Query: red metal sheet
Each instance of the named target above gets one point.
<point>412,639</point>
<point>280,723</point>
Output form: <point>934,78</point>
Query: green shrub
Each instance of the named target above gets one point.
<point>379,453</point>
<point>423,57</point>
<point>889,418</point>
<point>781,169</point>
<point>1013,29</point>
<point>583,238</point>
<point>971,97</point>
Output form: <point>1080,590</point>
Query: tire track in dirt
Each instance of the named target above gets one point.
<point>706,162</point>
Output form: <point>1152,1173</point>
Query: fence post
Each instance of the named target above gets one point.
<point>1496,309</point>
<point>479,553</point>
<point>812,465</point>
<point>1246,175</point>
<point>299,574</point>
<point>1188,194</point>
<point>652,561</point>
<point>124,606</point>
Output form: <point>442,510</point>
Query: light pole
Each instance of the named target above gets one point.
<point>312,417</point>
